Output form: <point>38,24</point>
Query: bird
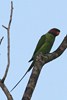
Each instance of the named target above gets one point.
<point>44,46</point>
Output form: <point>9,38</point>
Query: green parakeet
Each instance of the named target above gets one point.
<point>44,45</point>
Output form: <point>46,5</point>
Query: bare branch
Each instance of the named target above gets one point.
<point>2,85</point>
<point>5,90</point>
<point>5,27</point>
<point>11,14</point>
<point>40,61</point>
<point>8,41</point>
<point>1,40</point>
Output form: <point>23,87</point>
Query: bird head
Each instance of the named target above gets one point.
<point>54,31</point>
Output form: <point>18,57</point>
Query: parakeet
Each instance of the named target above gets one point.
<point>44,45</point>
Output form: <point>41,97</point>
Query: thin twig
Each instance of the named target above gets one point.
<point>8,41</point>
<point>40,61</point>
<point>10,15</point>
<point>5,27</point>
<point>1,40</point>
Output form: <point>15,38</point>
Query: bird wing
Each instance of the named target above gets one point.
<point>39,44</point>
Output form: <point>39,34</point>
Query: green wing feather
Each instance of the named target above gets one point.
<point>40,43</point>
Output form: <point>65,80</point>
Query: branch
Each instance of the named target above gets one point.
<point>8,41</point>
<point>2,85</point>
<point>40,61</point>
<point>5,90</point>
<point>1,40</point>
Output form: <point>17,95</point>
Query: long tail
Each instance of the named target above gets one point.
<point>23,76</point>
<point>18,82</point>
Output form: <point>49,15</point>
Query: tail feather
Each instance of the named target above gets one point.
<point>30,59</point>
<point>23,76</point>
<point>30,66</point>
<point>18,82</point>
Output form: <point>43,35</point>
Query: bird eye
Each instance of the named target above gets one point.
<point>57,33</point>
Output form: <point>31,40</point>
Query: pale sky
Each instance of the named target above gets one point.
<point>32,19</point>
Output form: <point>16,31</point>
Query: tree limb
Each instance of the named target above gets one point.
<point>5,90</point>
<point>8,40</point>
<point>2,85</point>
<point>40,61</point>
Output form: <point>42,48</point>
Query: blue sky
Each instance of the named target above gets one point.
<point>31,19</point>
